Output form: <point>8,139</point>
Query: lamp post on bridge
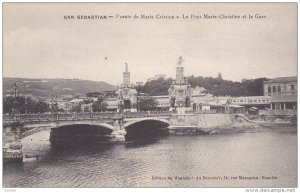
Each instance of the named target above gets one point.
<point>26,103</point>
<point>15,94</point>
<point>54,105</point>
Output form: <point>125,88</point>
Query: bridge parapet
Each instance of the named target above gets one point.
<point>25,118</point>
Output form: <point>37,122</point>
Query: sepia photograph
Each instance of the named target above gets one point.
<point>150,95</point>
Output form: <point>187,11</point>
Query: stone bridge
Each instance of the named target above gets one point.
<point>113,125</point>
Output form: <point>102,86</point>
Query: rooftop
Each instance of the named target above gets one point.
<point>283,79</point>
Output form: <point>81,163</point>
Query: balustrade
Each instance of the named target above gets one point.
<point>79,116</point>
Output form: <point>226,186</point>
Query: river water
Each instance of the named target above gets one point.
<point>171,161</point>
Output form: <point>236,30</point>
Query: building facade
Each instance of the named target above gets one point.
<point>279,93</point>
<point>283,91</point>
<point>281,86</point>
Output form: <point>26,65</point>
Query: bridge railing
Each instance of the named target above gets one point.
<point>146,114</point>
<point>80,116</point>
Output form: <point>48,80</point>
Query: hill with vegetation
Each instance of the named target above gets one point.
<point>46,88</point>
<point>216,86</point>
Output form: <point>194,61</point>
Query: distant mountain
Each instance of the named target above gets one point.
<point>63,88</point>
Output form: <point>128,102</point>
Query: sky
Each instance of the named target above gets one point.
<point>39,43</point>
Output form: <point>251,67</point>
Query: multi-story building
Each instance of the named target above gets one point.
<point>112,104</point>
<point>163,102</point>
<point>281,86</point>
<point>283,91</point>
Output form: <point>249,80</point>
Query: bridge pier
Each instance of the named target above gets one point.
<point>118,135</point>
<point>12,147</point>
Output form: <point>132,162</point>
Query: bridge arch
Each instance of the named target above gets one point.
<point>146,128</point>
<point>164,122</point>
<point>32,129</point>
<point>81,132</point>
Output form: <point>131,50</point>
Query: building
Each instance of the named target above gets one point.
<point>127,94</point>
<point>163,102</point>
<point>112,104</point>
<point>156,77</point>
<point>284,102</point>
<point>159,76</point>
<point>180,90</point>
<point>281,86</point>
<point>279,93</point>
<point>65,106</point>
<point>283,91</point>
<point>87,107</point>
<point>260,102</point>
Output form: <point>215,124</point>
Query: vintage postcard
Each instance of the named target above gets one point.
<point>133,95</point>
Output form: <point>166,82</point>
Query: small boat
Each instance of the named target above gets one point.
<point>12,156</point>
<point>31,157</point>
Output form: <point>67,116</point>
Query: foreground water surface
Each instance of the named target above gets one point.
<point>231,160</point>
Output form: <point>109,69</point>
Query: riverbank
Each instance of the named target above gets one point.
<point>225,123</point>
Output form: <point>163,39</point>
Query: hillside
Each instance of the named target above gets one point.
<point>63,88</point>
<point>215,86</point>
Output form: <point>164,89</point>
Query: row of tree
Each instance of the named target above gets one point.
<point>23,105</point>
<point>216,86</point>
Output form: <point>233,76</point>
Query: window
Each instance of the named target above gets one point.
<point>279,89</point>
<point>292,87</point>
<point>269,89</point>
<point>263,100</point>
<point>274,88</point>
<point>255,100</point>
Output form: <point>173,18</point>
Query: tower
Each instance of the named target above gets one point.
<point>179,71</point>
<point>126,76</point>
<point>180,90</point>
<point>127,94</point>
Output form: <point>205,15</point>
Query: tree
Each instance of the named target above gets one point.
<point>147,103</point>
<point>100,105</point>
<point>187,101</point>
<point>76,108</point>
<point>23,105</point>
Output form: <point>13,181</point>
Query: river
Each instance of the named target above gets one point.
<point>227,160</point>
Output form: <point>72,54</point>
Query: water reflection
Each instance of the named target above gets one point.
<point>135,163</point>
<point>143,141</point>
